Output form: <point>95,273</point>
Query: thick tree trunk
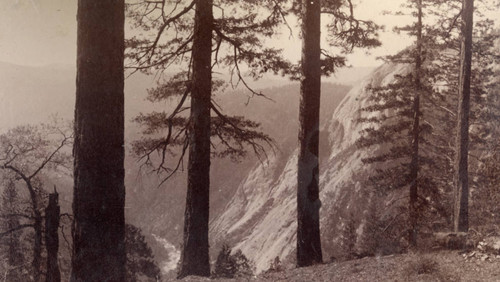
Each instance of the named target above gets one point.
<point>52,216</point>
<point>461,210</point>
<point>99,190</point>
<point>308,203</point>
<point>195,257</point>
<point>415,136</point>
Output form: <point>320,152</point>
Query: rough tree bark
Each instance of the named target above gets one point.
<point>52,216</point>
<point>461,209</point>
<point>195,256</point>
<point>99,190</point>
<point>415,135</point>
<point>308,203</point>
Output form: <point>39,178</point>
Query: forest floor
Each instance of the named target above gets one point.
<point>442,265</point>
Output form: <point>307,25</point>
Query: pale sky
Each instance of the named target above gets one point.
<point>42,32</point>
<point>38,32</point>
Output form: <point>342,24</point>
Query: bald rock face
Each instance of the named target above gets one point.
<point>261,217</point>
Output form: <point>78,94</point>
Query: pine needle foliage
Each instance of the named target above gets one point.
<point>230,265</point>
<point>388,117</point>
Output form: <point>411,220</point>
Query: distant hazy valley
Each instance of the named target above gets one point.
<point>33,94</point>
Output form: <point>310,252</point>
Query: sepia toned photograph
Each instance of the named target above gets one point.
<point>249,140</point>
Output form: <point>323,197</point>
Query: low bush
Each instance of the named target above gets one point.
<point>230,265</point>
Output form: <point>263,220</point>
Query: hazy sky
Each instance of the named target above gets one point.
<point>41,32</point>
<point>38,32</point>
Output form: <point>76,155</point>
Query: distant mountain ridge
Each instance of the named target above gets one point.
<point>30,94</point>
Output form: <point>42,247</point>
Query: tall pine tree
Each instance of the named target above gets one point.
<point>415,134</point>
<point>200,45</point>
<point>461,210</point>
<point>402,128</point>
<point>195,259</point>
<point>308,203</point>
<point>395,115</point>
<point>346,32</point>
<point>99,190</point>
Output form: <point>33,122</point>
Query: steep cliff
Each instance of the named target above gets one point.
<point>261,217</point>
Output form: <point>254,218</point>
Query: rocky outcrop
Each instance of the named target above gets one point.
<point>261,217</point>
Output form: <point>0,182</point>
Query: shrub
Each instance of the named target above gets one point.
<point>421,265</point>
<point>230,265</point>
<point>275,266</point>
<point>425,268</point>
<point>141,264</point>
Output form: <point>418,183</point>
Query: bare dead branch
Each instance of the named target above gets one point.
<point>50,157</point>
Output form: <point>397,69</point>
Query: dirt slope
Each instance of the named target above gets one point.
<point>434,266</point>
